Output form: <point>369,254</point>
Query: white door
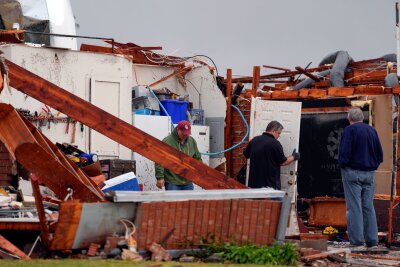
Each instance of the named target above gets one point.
<point>288,114</point>
<point>105,95</point>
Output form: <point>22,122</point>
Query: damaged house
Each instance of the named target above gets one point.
<point>103,100</point>
<point>325,94</point>
<point>53,95</point>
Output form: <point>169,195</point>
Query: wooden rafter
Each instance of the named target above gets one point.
<point>175,73</point>
<point>35,153</point>
<point>308,74</point>
<point>117,130</point>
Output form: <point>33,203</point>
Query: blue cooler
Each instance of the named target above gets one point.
<point>175,108</point>
<point>124,182</point>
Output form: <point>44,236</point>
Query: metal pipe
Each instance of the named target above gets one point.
<point>76,36</point>
<point>283,219</point>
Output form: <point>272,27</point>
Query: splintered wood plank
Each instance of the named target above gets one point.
<point>40,160</point>
<point>303,93</point>
<point>68,222</point>
<point>228,121</point>
<point>40,209</point>
<point>175,73</point>
<point>8,246</point>
<point>345,91</point>
<point>396,90</point>
<point>117,129</point>
<point>57,154</point>
<point>285,94</point>
<point>1,82</point>
<point>308,74</point>
<point>317,93</point>
<point>255,81</point>
<point>369,90</point>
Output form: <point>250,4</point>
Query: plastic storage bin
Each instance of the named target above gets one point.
<point>176,109</point>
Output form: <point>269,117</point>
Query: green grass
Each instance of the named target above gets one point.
<point>109,263</point>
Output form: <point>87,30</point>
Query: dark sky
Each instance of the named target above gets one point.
<point>239,34</point>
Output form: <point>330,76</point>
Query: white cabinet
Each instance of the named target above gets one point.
<point>158,127</point>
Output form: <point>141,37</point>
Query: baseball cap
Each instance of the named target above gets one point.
<point>184,127</point>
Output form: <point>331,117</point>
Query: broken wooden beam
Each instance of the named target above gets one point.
<point>228,122</point>
<point>344,91</point>
<point>175,73</point>
<point>308,74</point>
<point>323,255</point>
<point>292,94</point>
<point>279,75</point>
<point>255,80</point>
<point>276,68</point>
<point>8,246</point>
<point>37,157</point>
<point>40,209</point>
<point>117,130</point>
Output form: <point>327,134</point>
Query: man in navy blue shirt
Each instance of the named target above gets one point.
<point>266,158</point>
<point>360,154</point>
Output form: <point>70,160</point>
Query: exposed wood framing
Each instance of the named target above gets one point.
<point>8,246</point>
<point>40,209</point>
<point>256,80</point>
<point>136,54</point>
<point>340,92</point>
<point>398,155</point>
<point>68,222</point>
<point>116,129</point>
<point>265,78</point>
<point>228,122</point>
<point>276,68</point>
<point>175,73</point>
<point>36,154</point>
<point>1,81</point>
<point>308,74</point>
<point>18,225</point>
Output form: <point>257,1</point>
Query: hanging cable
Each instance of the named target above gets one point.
<point>210,153</point>
<point>236,145</point>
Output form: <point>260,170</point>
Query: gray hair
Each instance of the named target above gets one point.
<point>355,115</point>
<point>274,126</point>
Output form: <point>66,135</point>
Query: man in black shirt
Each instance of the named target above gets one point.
<point>266,158</point>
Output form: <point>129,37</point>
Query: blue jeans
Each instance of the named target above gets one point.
<point>360,213</point>
<point>169,186</point>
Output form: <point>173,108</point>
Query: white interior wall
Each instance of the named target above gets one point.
<point>72,71</point>
<point>200,85</point>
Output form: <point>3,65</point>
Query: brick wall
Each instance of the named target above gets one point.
<point>8,168</point>
<point>238,132</point>
<point>239,220</point>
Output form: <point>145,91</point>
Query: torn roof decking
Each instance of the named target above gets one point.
<point>117,130</point>
<point>361,78</point>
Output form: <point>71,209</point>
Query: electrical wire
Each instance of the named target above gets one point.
<point>215,65</point>
<point>236,145</point>
<point>372,70</point>
<point>210,153</point>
